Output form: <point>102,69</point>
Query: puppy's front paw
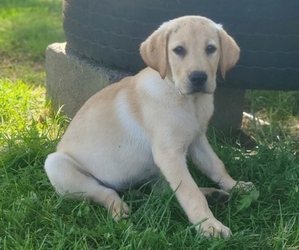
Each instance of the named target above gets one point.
<point>214,228</point>
<point>217,196</point>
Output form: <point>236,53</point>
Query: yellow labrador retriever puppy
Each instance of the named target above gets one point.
<point>147,124</point>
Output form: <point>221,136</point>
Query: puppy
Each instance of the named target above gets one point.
<point>147,124</point>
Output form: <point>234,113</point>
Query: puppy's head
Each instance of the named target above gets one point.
<point>188,50</point>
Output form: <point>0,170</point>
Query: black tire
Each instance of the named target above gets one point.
<point>110,32</point>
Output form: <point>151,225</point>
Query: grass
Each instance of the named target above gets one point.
<point>32,216</point>
<point>26,28</point>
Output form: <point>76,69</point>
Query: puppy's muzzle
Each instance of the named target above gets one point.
<point>197,80</point>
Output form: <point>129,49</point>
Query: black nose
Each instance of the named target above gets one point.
<point>198,78</point>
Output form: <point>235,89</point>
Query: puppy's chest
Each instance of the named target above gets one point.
<point>197,114</point>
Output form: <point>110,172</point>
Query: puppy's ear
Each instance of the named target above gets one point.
<point>154,50</point>
<point>230,52</point>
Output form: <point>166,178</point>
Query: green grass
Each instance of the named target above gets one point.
<point>32,216</point>
<point>26,29</point>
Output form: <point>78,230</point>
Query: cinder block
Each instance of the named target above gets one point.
<point>229,105</point>
<point>72,79</point>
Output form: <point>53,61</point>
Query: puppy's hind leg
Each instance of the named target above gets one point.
<point>65,175</point>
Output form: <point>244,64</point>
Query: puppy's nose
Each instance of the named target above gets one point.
<point>198,78</point>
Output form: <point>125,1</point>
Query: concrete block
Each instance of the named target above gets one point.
<point>229,105</point>
<point>72,79</point>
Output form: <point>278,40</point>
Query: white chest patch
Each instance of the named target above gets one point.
<point>137,164</point>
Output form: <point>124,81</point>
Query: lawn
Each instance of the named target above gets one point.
<point>32,216</point>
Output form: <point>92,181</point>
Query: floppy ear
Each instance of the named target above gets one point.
<point>154,50</point>
<point>230,52</point>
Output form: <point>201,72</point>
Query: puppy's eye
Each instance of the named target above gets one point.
<point>210,49</point>
<point>179,50</point>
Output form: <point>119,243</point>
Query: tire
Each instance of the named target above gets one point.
<point>111,31</point>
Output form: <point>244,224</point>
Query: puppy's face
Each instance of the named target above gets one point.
<point>193,55</point>
<point>188,50</point>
